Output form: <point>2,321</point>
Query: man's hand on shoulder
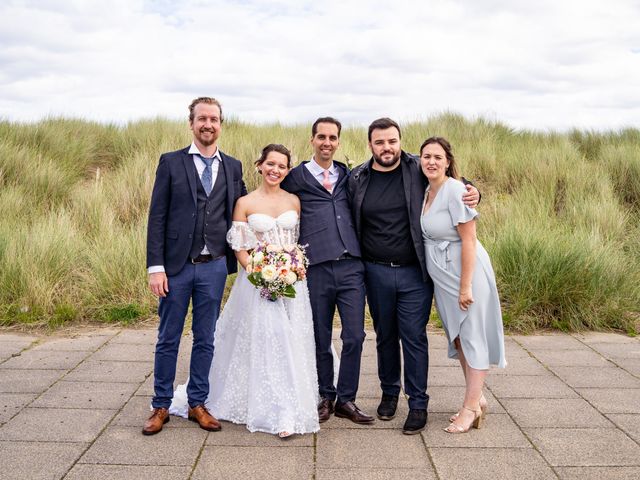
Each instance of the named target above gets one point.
<point>159,284</point>
<point>472,197</point>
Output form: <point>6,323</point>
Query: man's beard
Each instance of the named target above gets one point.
<point>387,163</point>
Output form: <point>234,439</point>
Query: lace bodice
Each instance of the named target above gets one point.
<point>260,227</point>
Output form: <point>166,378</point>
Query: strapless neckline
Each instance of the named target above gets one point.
<point>271,216</point>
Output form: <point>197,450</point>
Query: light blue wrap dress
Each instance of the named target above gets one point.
<point>480,327</point>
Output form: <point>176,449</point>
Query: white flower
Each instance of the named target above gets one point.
<point>269,273</point>
<point>290,278</point>
<point>258,257</point>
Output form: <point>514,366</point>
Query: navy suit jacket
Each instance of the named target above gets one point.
<point>326,227</point>
<point>172,215</point>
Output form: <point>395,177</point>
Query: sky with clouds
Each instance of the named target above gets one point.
<point>545,64</point>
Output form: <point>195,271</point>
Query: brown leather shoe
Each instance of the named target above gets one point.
<point>352,412</point>
<point>201,415</point>
<point>154,423</point>
<point>325,409</point>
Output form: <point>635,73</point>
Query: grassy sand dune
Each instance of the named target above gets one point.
<point>560,215</point>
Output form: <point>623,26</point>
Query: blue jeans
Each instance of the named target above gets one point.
<point>400,302</point>
<point>204,284</point>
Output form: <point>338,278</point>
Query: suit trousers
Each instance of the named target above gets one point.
<point>338,283</point>
<point>400,302</point>
<point>203,284</point>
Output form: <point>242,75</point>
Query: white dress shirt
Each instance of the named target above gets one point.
<point>318,172</point>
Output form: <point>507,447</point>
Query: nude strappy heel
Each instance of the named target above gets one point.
<point>476,423</point>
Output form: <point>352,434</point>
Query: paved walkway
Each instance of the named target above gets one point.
<point>565,407</point>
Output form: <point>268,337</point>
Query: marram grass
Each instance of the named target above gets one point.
<point>560,215</point>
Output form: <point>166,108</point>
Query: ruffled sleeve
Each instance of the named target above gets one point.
<point>459,212</point>
<point>241,237</point>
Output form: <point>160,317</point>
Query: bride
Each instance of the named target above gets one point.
<point>264,371</point>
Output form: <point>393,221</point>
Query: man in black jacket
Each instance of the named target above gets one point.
<point>386,195</point>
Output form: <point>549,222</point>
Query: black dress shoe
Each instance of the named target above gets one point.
<point>387,408</point>
<point>352,412</point>
<point>325,409</point>
<point>416,421</point>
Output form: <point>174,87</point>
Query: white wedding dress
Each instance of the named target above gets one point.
<point>264,369</point>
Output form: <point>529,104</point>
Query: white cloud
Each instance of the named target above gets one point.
<point>546,64</point>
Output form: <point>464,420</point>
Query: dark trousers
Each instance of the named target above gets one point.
<point>338,283</point>
<point>400,303</point>
<point>204,284</point>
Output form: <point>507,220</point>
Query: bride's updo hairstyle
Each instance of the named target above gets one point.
<point>452,171</point>
<point>273,147</point>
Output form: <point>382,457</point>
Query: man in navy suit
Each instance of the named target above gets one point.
<point>336,274</point>
<point>188,258</point>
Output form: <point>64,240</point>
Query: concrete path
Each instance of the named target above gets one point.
<point>565,407</point>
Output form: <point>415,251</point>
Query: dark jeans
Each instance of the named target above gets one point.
<point>338,283</point>
<point>400,302</point>
<point>204,284</point>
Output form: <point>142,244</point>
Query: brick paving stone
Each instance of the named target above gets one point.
<point>612,400</point>
<point>599,377</point>
<point>127,472</point>
<point>56,425</point>
<point>79,342</point>
<point>102,395</point>
<point>490,464</point>
<point>555,412</point>
<point>140,337</point>
<point>27,381</point>
<point>499,431</point>
<point>37,461</point>
<point>629,423</point>
<point>618,350</point>
<point>45,360</point>
<point>630,365</point>
<point>12,403</point>
<point>109,371</point>
<point>598,473</point>
<point>256,463</point>
<point>524,365</point>
<point>512,386</point>
<point>555,342</point>
<point>572,358</point>
<point>376,474</point>
<point>384,449</point>
<point>445,376</point>
<point>125,352</point>
<point>605,337</point>
<point>128,446</point>
<point>585,446</point>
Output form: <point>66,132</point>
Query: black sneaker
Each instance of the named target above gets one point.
<point>387,408</point>
<point>416,421</point>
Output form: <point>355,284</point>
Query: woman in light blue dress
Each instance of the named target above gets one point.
<point>464,283</point>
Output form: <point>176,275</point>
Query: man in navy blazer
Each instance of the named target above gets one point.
<point>336,274</point>
<point>188,258</point>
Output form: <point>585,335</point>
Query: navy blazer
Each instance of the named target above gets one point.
<point>326,227</point>
<point>172,215</point>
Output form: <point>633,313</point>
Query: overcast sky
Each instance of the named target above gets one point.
<point>540,64</point>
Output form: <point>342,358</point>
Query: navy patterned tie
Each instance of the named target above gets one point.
<point>206,175</point>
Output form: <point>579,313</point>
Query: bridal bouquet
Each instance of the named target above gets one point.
<point>274,269</point>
